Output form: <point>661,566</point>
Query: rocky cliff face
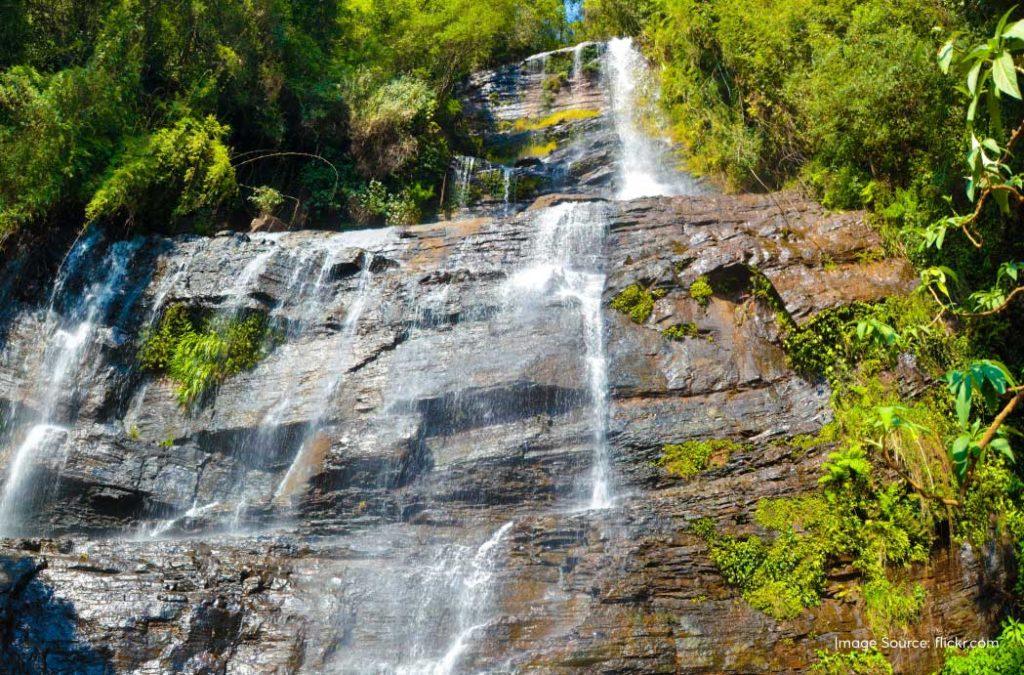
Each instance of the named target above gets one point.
<point>447,461</point>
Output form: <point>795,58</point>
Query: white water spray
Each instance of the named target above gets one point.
<point>646,166</point>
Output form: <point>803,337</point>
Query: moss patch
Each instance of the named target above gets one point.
<point>538,150</point>
<point>637,302</point>
<point>555,118</point>
<point>701,291</point>
<point>868,662</point>
<point>681,331</point>
<point>685,460</point>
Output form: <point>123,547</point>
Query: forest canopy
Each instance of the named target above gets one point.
<point>161,115</point>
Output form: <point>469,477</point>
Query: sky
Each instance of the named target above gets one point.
<point>574,9</point>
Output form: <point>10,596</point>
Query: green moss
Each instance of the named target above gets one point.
<point>852,517</point>
<point>867,662</point>
<point>781,578</point>
<point>539,150</point>
<point>889,606</point>
<point>701,291</point>
<point>687,459</point>
<point>681,331</point>
<point>1003,658</point>
<point>554,119</point>
<point>199,353</point>
<point>637,302</point>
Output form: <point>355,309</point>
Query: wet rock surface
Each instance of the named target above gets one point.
<point>447,423</point>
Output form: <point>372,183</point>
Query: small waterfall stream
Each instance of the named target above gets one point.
<point>72,354</point>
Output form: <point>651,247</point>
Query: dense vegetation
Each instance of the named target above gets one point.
<point>912,110</point>
<point>171,115</point>
<point>199,352</point>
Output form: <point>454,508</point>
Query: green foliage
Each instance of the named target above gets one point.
<point>199,354</point>
<point>144,112</point>
<point>637,302</point>
<point>845,93</point>
<point>866,662</point>
<point>176,171</point>
<point>1004,658</point>
<point>681,331</point>
<point>266,199</point>
<point>701,291</point>
<point>374,204</point>
<point>685,460</point>
<point>852,517</point>
<point>780,579</point>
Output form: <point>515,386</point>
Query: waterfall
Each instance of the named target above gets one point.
<point>337,367</point>
<point>71,355</point>
<point>471,584</point>
<point>464,166</point>
<point>646,166</point>
<point>566,263</point>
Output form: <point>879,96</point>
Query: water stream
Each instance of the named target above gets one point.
<point>88,287</point>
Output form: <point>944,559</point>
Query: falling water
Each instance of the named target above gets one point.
<point>471,583</point>
<point>71,355</point>
<point>337,366</point>
<point>566,264</point>
<point>645,167</point>
<point>507,178</point>
<point>464,166</point>
<point>577,69</point>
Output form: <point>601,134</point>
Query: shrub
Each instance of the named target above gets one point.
<point>198,354</point>
<point>681,331</point>
<point>701,291</point>
<point>178,170</point>
<point>867,662</point>
<point>637,302</point>
<point>685,460</point>
<point>266,199</point>
<point>1004,658</point>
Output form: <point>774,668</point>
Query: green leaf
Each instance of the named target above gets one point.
<point>1002,446</point>
<point>1002,198</point>
<point>972,109</point>
<point>1000,27</point>
<point>972,77</point>
<point>946,55</point>
<point>1014,31</point>
<point>1004,74</point>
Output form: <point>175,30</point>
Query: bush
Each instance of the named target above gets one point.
<point>198,354</point>
<point>637,302</point>
<point>685,460</point>
<point>757,91</point>
<point>701,291</point>
<point>868,662</point>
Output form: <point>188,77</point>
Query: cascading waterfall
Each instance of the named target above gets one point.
<point>646,166</point>
<point>427,590</point>
<point>71,355</point>
<point>338,366</point>
<point>470,583</point>
<point>566,263</point>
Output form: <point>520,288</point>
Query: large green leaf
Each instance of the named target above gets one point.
<point>1004,74</point>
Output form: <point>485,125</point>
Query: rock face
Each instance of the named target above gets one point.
<point>403,484</point>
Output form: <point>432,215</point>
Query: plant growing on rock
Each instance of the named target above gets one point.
<point>685,460</point>
<point>198,354</point>
<point>637,302</point>
<point>681,331</point>
<point>266,199</point>
<point>701,291</point>
<point>867,662</point>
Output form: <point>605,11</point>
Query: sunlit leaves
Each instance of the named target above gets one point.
<point>986,378</point>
